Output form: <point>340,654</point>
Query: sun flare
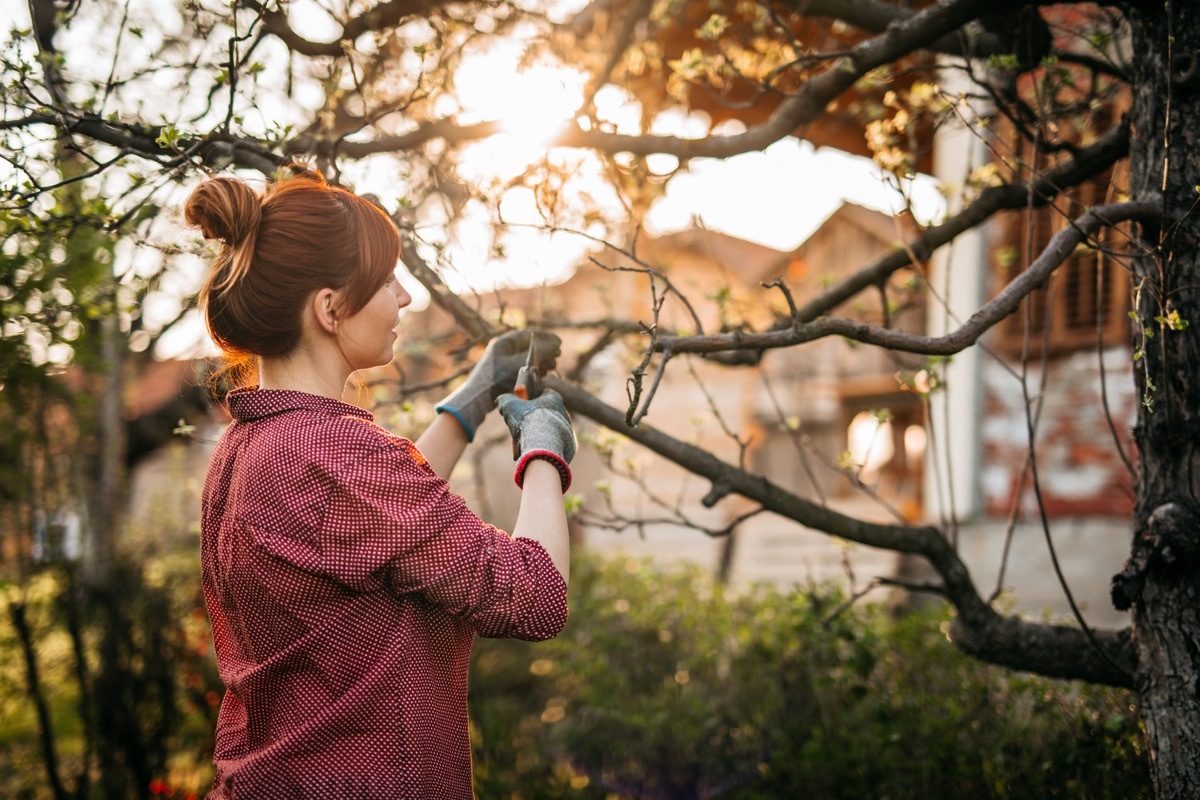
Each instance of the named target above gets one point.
<point>531,103</point>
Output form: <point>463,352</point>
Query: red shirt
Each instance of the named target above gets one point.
<point>345,583</point>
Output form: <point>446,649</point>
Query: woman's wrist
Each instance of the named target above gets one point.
<point>548,456</point>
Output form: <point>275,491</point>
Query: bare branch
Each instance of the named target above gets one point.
<point>1056,651</point>
<point>441,294</point>
<point>382,16</point>
<point>1004,304</point>
<point>875,17</point>
<point>807,105</point>
<point>445,129</point>
<point>634,417</point>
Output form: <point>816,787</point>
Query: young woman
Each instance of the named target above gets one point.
<point>344,580</point>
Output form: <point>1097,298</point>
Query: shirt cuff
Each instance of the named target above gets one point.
<point>467,429</point>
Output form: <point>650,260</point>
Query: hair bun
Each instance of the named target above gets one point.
<point>298,170</point>
<point>226,209</point>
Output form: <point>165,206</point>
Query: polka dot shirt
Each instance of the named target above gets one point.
<point>345,583</point>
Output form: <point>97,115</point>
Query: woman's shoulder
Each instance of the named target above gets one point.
<point>295,429</point>
<point>327,436</point>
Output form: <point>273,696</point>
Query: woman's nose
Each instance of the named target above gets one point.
<point>403,298</point>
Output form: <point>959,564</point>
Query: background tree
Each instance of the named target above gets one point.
<point>128,100</point>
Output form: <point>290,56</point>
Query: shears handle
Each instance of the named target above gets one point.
<point>529,383</point>
<point>528,386</point>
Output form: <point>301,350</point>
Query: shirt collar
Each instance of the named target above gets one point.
<point>254,403</point>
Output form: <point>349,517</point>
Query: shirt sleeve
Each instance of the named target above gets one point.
<point>391,523</point>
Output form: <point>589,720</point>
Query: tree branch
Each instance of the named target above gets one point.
<point>809,103</point>
<point>440,293</point>
<point>1056,651</point>
<point>1053,650</point>
<point>384,15</point>
<point>445,129</point>
<point>141,140</point>
<point>1061,246</point>
<point>633,18</point>
<point>875,17</point>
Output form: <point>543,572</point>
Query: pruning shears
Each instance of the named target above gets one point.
<point>529,384</point>
<point>529,377</point>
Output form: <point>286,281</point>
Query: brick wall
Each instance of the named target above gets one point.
<point>1080,470</point>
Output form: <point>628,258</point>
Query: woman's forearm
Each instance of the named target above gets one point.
<point>442,444</point>
<point>542,516</point>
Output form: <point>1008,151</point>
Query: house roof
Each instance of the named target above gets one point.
<point>158,383</point>
<point>754,262</point>
<point>875,224</point>
<point>744,258</point>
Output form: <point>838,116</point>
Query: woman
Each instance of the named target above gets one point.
<point>344,580</point>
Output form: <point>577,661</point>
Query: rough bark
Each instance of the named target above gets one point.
<point>1161,582</point>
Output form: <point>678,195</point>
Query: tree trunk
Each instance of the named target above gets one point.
<point>106,482</point>
<point>1162,582</point>
<point>33,685</point>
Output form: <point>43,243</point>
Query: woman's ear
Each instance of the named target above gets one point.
<point>324,307</point>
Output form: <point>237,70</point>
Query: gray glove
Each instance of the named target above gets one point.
<point>540,429</point>
<point>496,373</point>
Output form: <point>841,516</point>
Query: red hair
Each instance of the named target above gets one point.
<point>298,236</point>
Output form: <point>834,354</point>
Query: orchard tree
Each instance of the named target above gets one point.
<point>141,98</point>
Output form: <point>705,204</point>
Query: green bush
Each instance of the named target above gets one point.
<point>665,685</point>
<point>126,675</point>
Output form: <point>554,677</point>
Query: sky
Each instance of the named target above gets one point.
<point>776,198</point>
<point>780,196</point>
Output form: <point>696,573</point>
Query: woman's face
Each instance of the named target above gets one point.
<point>366,337</point>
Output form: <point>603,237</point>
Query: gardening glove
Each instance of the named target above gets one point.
<point>540,429</point>
<point>496,373</point>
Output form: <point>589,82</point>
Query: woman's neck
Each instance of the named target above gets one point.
<point>302,373</point>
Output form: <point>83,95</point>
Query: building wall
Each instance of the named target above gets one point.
<point>1086,488</point>
<point>707,405</point>
<point>1081,471</point>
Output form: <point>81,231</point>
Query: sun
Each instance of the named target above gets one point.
<point>531,103</point>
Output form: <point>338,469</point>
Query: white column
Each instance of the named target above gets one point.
<point>959,274</point>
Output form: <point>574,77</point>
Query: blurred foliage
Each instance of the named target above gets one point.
<point>663,685</point>
<point>672,686</point>
<point>133,722</point>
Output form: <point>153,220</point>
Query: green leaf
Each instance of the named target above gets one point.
<point>168,138</point>
<point>714,27</point>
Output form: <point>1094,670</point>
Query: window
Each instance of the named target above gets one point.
<point>1087,295</point>
<point>885,433</point>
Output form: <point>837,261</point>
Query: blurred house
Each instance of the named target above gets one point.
<point>171,427</point>
<point>1057,373</point>
<point>946,443</point>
